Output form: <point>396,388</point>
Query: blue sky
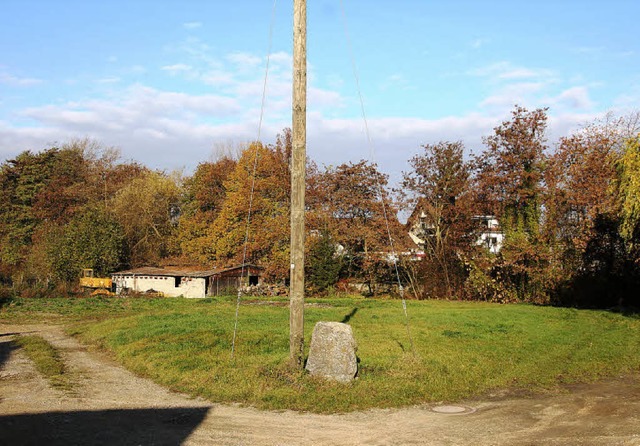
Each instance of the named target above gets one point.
<point>171,83</point>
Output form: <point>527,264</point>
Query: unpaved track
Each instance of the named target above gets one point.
<point>109,405</point>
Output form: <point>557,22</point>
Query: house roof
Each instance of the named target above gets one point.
<point>181,271</point>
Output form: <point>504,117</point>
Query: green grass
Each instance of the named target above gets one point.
<point>461,349</point>
<point>47,360</point>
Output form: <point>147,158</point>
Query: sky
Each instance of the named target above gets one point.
<point>175,83</point>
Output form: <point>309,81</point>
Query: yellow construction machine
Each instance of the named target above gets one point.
<point>99,285</point>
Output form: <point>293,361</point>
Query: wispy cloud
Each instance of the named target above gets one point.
<point>589,49</point>
<point>244,60</point>
<point>137,69</point>
<point>137,106</point>
<point>516,93</point>
<point>177,68</point>
<point>396,81</point>
<point>574,98</point>
<point>507,71</point>
<point>625,54</point>
<point>109,80</point>
<point>602,51</point>
<point>15,81</point>
<point>192,25</point>
<point>479,43</point>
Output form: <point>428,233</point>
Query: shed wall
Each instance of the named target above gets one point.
<point>187,286</point>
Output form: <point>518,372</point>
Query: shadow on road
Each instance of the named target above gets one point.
<point>6,347</point>
<point>104,427</point>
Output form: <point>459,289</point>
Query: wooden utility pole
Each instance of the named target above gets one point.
<point>298,166</point>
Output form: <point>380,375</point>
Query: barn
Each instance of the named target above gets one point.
<point>186,282</point>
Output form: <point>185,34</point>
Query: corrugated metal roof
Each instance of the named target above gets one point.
<point>179,271</point>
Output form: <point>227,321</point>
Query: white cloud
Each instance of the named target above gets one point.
<point>589,49</point>
<point>109,80</point>
<point>629,101</point>
<point>168,130</point>
<point>507,71</point>
<point>320,98</point>
<point>396,82</point>
<point>217,78</point>
<point>479,43</point>
<point>138,107</point>
<point>244,61</point>
<point>192,25</point>
<point>176,68</point>
<point>510,94</point>
<point>15,81</point>
<point>574,98</point>
<point>161,129</point>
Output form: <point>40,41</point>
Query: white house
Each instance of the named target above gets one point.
<point>186,282</point>
<point>490,234</point>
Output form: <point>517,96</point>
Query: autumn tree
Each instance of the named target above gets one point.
<point>578,182</point>
<point>509,185</point>
<point>584,212</point>
<point>353,205</point>
<point>257,194</point>
<point>203,197</point>
<point>43,192</point>
<point>437,191</point>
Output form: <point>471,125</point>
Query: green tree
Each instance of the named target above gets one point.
<point>323,262</point>
<point>92,239</point>
<point>629,195</point>
<point>147,209</point>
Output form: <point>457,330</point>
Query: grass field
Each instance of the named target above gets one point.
<point>461,349</point>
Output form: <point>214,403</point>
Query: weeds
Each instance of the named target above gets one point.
<point>47,360</point>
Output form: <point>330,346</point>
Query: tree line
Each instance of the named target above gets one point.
<point>569,214</point>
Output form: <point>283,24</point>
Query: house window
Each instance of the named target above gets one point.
<point>178,280</point>
<point>253,280</point>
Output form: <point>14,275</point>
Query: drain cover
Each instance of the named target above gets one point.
<point>453,409</point>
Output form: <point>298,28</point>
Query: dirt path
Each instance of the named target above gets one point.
<point>112,406</point>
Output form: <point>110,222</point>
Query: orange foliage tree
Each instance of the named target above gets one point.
<point>265,192</point>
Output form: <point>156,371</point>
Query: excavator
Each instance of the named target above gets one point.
<point>99,285</point>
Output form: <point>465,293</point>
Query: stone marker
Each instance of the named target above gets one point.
<point>332,354</point>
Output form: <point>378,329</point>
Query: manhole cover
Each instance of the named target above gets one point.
<point>453,409</point>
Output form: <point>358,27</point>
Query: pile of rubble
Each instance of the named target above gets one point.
<point>265,290</point>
